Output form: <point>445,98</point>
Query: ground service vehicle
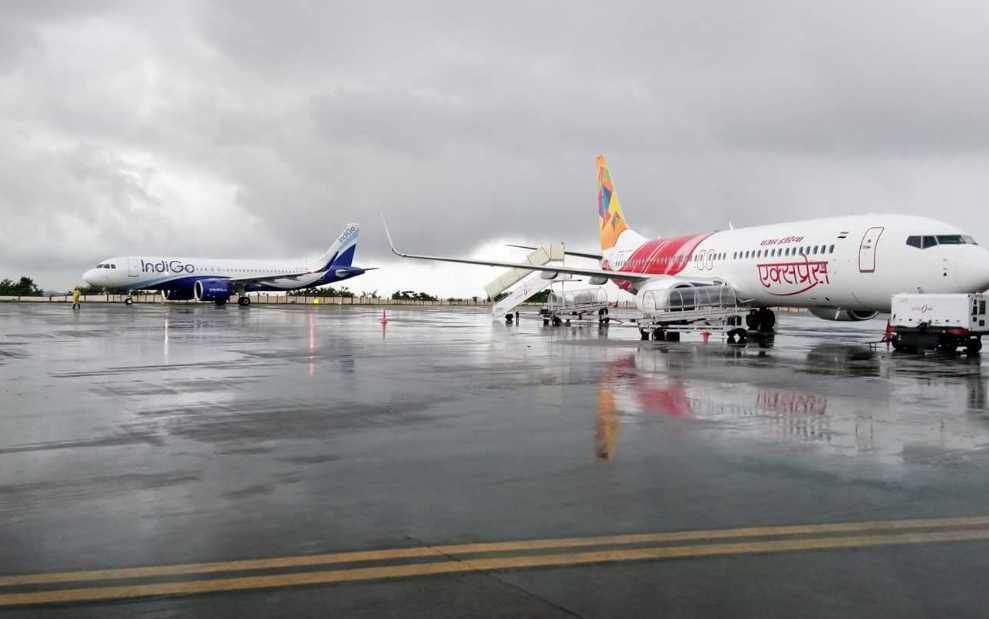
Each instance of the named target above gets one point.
<point>938,321</point>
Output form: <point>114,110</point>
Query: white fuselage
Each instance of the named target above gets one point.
<point>155,272</point>
<point>855,262</point>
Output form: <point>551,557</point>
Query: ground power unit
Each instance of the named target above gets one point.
<point>938,322</point>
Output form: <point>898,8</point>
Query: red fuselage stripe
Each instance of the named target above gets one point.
<point>664,256</point>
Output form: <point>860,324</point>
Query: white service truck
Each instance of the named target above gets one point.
<point>937,321</point>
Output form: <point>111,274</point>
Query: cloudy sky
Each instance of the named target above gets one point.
<point>260,128</point>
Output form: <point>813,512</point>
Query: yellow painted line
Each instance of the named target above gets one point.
<point>474,565</point>
<point>480,548</point>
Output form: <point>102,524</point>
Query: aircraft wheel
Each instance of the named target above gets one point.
<point>974,345</point>
<point>767,319</point>
<point>752,320</point>
<point>644,334</point>
<point>128,301</point>
<point>673,336</point>
<point>244,301</point>
<point>220,302</point>
<point>658,335</point>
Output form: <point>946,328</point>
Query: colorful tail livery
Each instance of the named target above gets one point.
<point>611,220</point>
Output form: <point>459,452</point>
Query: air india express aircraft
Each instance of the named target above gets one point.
<point>840,268</point>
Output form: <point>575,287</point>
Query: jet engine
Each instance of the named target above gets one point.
<point>842,315</point>
<point>212,290</point>
<point>177,294</point>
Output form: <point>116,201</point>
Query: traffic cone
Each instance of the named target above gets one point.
<point>707,335</point>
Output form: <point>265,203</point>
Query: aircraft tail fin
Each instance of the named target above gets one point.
<point>611,220</point>
<point>341,252</point>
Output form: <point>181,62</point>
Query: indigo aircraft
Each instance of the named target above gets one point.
<point>839,268</point>
<point>217,279</point>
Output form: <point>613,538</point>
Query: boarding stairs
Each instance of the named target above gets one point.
<point>523,282</point>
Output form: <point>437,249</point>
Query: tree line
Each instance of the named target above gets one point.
<point>24,287</point>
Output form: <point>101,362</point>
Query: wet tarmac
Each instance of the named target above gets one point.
<point>169,437</point>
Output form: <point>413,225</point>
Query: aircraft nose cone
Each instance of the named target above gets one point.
<point>981,267</point>
<point>88,277</point>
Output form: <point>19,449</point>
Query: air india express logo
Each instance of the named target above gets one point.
<point>785,279</point>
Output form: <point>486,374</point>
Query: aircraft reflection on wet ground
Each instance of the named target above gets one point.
<point>164,436</point>
<point>881,419</point>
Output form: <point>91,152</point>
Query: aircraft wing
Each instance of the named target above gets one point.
<point>255,279</point>
<point>587,272</point>
<point>260,279</point>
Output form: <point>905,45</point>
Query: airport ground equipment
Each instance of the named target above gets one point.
<point>532,284</point>
<point>567,307</point>
<point>942,322</point>
<point>711,308</point>
<point>540,256</point>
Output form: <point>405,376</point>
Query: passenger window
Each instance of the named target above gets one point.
<point>914,241</point>
<point>929,241</point>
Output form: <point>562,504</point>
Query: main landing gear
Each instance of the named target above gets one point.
<point>129,300</point>
<point>762,319</point>
<point>244,301</point>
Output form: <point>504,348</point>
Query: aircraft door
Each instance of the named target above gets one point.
<point>133,267</point>
<point>867,250</point>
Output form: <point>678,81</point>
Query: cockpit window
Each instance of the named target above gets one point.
<point>923,242</point>
<point>950,239</point>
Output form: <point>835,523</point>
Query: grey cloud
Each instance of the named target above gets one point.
<point>466,123</point>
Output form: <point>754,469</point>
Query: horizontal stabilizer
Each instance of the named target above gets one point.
<point>579,254</point>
